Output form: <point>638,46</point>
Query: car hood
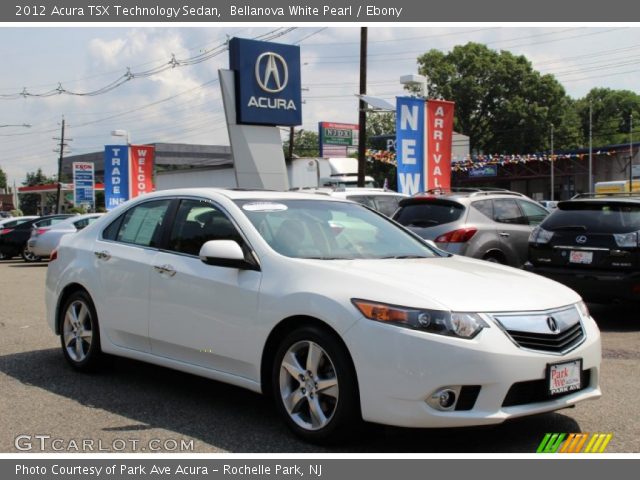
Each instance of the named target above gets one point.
<point>455,283</point>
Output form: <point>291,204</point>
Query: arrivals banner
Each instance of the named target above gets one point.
<point>116,175</point>
<point>438,155</point>
<point>83,184</point>
<point>410,144</point>
<point>142,159</point>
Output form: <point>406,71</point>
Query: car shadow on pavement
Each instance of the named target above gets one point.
<point>236,420</point>
<point>29,265</point>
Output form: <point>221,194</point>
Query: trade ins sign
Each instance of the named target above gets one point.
<point>267,82</point>
<point>128,172</point>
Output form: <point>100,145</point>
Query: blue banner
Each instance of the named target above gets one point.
<point>267,81</point>
<point>116,175</point>
<point>83,184</point>
<point>410,140</point>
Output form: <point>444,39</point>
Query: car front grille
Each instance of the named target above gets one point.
<point>557,343</point>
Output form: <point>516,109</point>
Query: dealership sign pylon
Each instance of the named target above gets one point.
<point>423,144</point>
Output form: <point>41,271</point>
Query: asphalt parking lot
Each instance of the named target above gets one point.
<point>131,406</point>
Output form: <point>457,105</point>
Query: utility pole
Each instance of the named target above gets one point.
<point>552,179</point>
<point>60,150</point>
<point>630,152</point>
<point>291,139</point>
<point>362,116</point>
<point>590,146</point>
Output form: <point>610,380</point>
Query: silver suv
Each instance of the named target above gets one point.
<point>492,225</point>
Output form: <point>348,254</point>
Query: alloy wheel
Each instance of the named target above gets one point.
<point>77,331</point>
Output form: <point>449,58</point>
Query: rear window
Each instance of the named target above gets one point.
<point>429,214</point>
<point>385,204</point>
<point>596,217</point>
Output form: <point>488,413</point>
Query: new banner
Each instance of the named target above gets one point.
<point>83,184</point>
<point>438,155</point>
<point>410,144</point>
<point>116,175</point>
<point>142,158</point>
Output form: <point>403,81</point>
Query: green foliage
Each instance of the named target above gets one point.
<point>611,110</point>
<point>3,179</point>
<point>305,144</point>
<point>16,213</point>
<point>30,203</point>
<point>502,103</point>
<point>381,124</point>
<point>80,210</point>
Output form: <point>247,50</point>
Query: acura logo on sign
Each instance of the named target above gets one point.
<point>581,239</point>
<point>272,74</point>
<point>552,324</point>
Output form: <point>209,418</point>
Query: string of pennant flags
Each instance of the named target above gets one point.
<point>472,162</point>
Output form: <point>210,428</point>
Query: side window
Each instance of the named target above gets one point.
<point>111,232</point>
<point>485,207</point>
<point>142,225</point>
<point>534,213</point>
<point>507,211</point>
<point>80,224</point>
<point>198,222</point>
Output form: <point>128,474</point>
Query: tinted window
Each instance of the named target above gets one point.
<point>429,213</point>
<point>534,213</point>
<point>47,222</point>
<point>198,222</point>
<point>142,224</point>
<point>485,207</point>
<point>596,217</point>
<point>85,222</point>
<point>507,211</point>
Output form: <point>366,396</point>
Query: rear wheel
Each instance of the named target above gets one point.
<point>314,386</point>
<point>495,257</point>
<point>29,257</point>
<point>80,333</point>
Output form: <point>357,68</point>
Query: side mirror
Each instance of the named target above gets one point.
<point>225,253</point>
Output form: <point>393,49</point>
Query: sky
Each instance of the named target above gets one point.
<point>183,104</point>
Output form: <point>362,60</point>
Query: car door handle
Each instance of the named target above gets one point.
<point>504,234</point>
<point>102,255</point>
<point>168,269</point>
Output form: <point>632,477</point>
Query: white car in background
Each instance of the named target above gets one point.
<point>45,239</point>
<point>330,308</point>
<point>384,201</point>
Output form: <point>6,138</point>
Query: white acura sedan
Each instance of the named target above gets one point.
<point>332,309</point>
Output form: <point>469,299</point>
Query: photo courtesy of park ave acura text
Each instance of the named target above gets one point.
<point>312,238</point>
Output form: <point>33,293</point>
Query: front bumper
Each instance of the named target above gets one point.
<point>399,369</point>
<point>594,285</point>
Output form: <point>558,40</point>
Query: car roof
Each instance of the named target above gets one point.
<point>240,194</point>
<point>366,191</point>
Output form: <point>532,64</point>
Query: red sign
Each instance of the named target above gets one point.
<point>439,130</point>
<point>141,163</point>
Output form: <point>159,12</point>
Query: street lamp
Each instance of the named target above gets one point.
<point>415,80</point>
<point>121,133</point>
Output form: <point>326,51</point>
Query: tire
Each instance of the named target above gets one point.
<point>29,257</point>
<point>80,333</point>
<point>314,386</point>
<point>495,258</point>
<point>4,256</point>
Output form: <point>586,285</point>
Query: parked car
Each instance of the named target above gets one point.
<point>11,222</point>
<point>384,201</point>
<point>549,204</point>
<point>484,224</point>
<point>4,214</point>
<point>260,290</point>
<point>13,241</point>
<point>591,245</point>
<point>44,240</point>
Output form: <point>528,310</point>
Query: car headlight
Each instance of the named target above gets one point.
<point>582,309</point>
<point>540,235</point>
<point>453,324</point>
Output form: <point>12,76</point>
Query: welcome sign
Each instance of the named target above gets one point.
<point>128,172</point>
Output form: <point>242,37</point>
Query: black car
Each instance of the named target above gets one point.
<point>13,241</point>
<point>591,245</point>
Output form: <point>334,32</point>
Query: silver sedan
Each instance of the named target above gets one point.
<point>44,240</point>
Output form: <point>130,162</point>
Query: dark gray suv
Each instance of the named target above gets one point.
<point>490,225</point>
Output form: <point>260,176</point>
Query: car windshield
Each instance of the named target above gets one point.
<point>330,230</point>
<point>595,217</point>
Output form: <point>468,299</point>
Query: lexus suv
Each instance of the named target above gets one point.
<point>491,225</point>
<point>593,246</point>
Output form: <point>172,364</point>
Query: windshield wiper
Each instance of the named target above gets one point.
<point>326,258</point>
<point>407,256</point>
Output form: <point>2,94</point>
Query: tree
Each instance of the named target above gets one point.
<point>30,203</point>
<point>3,179</point>
<point>611,110</point>
<point>381,124</point>
<point>305,144</point>
<point>502,103</point>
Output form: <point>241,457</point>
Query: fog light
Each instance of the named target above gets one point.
<point>444,398</point>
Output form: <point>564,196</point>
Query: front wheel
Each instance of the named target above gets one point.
<point>80,333</point>
<point>29,257</point>
<point>315,387</point>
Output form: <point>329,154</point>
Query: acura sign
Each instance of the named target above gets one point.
<point>267,82</point>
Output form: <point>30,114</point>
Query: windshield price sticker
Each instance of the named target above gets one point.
<point>264,207</point>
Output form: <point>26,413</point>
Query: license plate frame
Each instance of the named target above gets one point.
<point>560,382</point>
<point>581,257</point>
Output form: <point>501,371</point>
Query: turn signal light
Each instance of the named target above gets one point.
<point>460,235</point>
<point>40,231</point>
<point>54,255</point>
<point>381,312</point>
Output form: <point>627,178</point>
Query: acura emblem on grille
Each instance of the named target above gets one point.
<point>581,239</point>
<point>552,324</point>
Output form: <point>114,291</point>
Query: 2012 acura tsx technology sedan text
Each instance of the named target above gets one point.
<point>332,309</point>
